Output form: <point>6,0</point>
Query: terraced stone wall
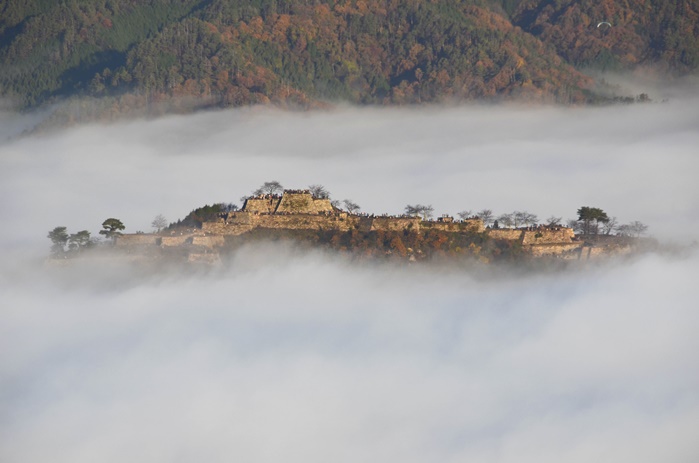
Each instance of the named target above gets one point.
<point>304,222</point>
<point>137,239</point>
<point>208,241</point>
<point>569,250</point>
<point>533,236</point>
<point>177,240</point>
<point>261,205</point>
<point>548,235</point>
<point>302,203</point>
<point>510,234</point>
<point>395,223</point>
<point>472,225</point>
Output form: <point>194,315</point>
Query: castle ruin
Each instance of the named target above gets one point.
<point>300,210</point>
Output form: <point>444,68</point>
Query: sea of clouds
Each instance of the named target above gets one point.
<point>303,356</point>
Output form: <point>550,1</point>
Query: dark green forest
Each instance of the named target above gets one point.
<point>130,54</point>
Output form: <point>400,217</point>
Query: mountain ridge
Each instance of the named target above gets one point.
<point>129,55</point>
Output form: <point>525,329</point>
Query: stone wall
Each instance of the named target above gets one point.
<point>363,223</point>
<point>207,258</point>
<point>597,252</point>
<point>177,240</point>
<point>302,203</point>
<point>234,223</point>
<point>509,234</point>
<point>137,239</point>
<point>468,225</point>
<point>265,205</point>
<point>533,236</point>
<point>576,251</point>
<point>569,250</point>
<point>237,223</point>
<point>208,241</point>
<point>394,223</point>
<point>476,225</point>
<point>548,235</point>
<point>295,204</point>
<point>305,222</point>
<point>540,242</point>
<point>291,202</point>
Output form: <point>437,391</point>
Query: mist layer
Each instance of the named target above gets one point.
<point>304,356</point>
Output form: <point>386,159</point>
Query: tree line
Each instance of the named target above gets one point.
<point>64,244</point>
<point>591,221</point>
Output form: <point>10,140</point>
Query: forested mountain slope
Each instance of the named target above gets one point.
<point>301,52</point>
<point>663,33</point>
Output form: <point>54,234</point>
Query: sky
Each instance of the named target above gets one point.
<point>284,354</point>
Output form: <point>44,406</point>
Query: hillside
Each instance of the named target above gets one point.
<point>665,34</point>
<point>131,54</point>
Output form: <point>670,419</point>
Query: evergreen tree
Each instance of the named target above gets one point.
<point>59,238</point>
<point>591,217</point>
<point>112,228</point>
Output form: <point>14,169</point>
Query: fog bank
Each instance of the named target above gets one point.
<point>308,357</point>
<point>635,162</point>
<point>352,362</point>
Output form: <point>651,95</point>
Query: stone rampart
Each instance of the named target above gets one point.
<point>304,222</point>
<point>597,252</point>
<point>590,252</point>
<point>237,223</point>
<point>208,241</point>
<point>138,239</point>
<point>264,205</point>
<point>469,225</point>
<point>302,203</point>
<point>509,234</point>
<point>395,223</point>
<point>291,202</point>
<point>363,223</point>
<point>234,223</point>
<point>533,236</point>
<point>207,258</point>
<point>548,235</point>
<point>476,225</point>
<point>177,240</point>
<point>569,250</point>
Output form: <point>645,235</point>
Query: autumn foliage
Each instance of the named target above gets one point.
<point>305,53</point>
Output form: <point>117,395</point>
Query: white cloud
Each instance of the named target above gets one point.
<point>353,362</point>
<point>307,357</point>
<point>637,163</point>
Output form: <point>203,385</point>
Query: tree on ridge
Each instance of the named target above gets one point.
<point>591,217</point>
<point>59,238</point>
<point>269,188</point>
<point>319,191</point>
<point>112,228</point>
<point>486,215</point>
<point>159,222</point>
<point>420,210</point>
<point>79,241</point>
<point>351,207</point>
<point>463,215</point>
